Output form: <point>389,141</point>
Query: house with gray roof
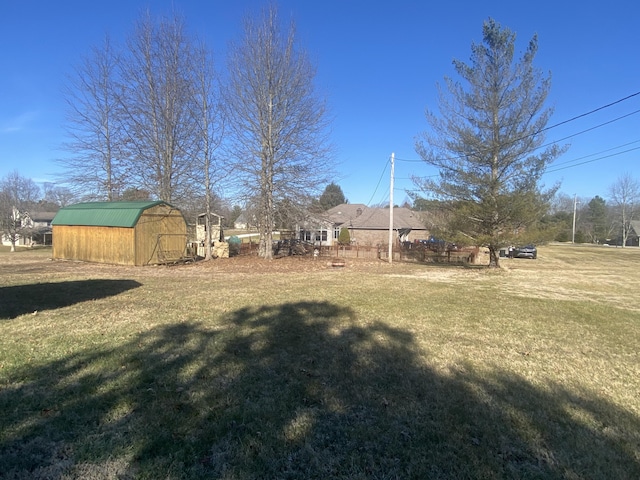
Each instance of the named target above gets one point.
<point>367,226</point>
<point>34,229</point>
<point>633,239</point>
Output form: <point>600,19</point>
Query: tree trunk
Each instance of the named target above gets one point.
<point>208,254</point>
<point>266,245</point>
<point>207,195</point>
<point>265,249</point>
<point>494,257</point>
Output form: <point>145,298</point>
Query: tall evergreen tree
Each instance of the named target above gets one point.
<point>488,144</point>
<point>331,197</point>
<point>597,215</point>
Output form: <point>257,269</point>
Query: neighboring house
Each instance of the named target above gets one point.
<point>633,239</point>
<point>245,222</point>
<point>35,228</point>
<point>241,222</point>
<point>124,233</point>
<point>319,230</point>
<point>367,226</point>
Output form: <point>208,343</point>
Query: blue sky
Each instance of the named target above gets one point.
<point>378,66</point>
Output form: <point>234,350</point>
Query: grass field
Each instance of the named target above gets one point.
<point>291,369</point>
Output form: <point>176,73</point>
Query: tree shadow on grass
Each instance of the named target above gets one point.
<point>18,300</point>
<point>298,390</point>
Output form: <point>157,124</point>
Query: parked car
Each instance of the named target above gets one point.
<point>528,251</point>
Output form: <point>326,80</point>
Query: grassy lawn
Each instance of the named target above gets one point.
<point>293,369</point>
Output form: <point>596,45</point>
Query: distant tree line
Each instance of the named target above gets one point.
<point>599,220</point>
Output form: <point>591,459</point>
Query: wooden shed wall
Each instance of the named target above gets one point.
<point>94,244</point>
<point>160,235</point>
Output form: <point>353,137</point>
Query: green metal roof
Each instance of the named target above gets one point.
<point>103,214</point>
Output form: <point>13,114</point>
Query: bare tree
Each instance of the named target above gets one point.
<point>278,124</point>
<point>94,167</point>
<point>17,195</point>
<point>625,197</point>
<point>488,143</point>
<point>58,195</point>
<point>562,202</point>
<point>209,131</point>
<point>155,96</point>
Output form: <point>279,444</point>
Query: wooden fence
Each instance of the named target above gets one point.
<point>426,255</point>
<point>401,253</point>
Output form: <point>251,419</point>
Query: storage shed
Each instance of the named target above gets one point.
<point>124,233</point>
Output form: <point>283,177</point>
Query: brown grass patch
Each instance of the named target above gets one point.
<point>242,368</point>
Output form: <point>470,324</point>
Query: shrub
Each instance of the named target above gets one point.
<point>344,238</point>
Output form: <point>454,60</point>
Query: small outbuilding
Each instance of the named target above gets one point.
<point>123,233</point>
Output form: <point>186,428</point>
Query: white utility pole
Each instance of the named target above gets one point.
<point>573,232</point>
<point>391,212</point>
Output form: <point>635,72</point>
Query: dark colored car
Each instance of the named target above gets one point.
<point>528,251</point>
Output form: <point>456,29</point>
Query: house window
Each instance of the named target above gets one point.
<point>321,236</point>
<point>336,233</point>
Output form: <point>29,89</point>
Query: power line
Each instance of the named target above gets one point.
<point>379,180</point>
<point>596,153</point>
<point>585,156</point>
<point>593,160</point>
<point>555,141</point>
<point>588,130</point>
<point>568,163</point>
<point>557,125</point>
<point>557,167</point>
<point>592,111</point>
<point>551,143</point>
